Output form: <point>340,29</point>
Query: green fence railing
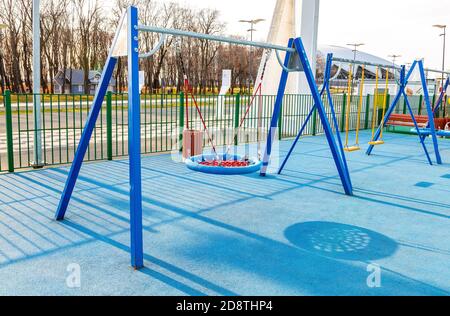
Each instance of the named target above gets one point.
<point>162,119</point>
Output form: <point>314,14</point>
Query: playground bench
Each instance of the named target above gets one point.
<point>442,123</point>
<point>406,120</point>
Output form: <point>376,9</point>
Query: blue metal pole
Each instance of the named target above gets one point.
<point>403,82</point>
<point>85,138</point>
<point>441,96</point>
<point>438,104</point>
<point>422,141</point>
<point>326,87</point>
<point>134,141</point>
<point>430,114</point>
<point>210,37</point>
<point>300,133</point>
<point>410,72</point>
<point>338,134</point>
<point>321,110</point>
<point>333,114</point>
<point>302,129</point>
<point>276,112</point>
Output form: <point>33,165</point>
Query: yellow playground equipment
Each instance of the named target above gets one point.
<point>380,141</point>
<point>355,147</point>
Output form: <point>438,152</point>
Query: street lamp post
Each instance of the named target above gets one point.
<point>355,51</point>
<point>37,111</point>
<point>251,30</point>
<point>444,35</point>
<point>2,67</point>
<point>394,58</point>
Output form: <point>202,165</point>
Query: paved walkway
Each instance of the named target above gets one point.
<point>294,234</point>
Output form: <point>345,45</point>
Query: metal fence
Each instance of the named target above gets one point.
<point>162,120</point>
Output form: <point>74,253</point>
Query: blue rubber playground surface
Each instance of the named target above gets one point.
<point>295,234</point>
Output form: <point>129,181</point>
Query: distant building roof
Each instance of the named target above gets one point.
<point>347,53</point>
<point>78,76</point>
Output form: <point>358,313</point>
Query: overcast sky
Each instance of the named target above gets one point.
<point>385,26</point>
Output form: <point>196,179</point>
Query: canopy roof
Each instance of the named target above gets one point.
<point>347,53</point>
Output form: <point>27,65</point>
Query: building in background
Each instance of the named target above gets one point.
<point>340,73</point>
<point>72,82</point>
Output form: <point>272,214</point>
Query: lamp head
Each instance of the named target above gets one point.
<point>255,21</point>
<point>258,21</point>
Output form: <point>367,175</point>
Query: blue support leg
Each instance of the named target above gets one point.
<point>302,129</point>
<point>430,114</point>
<point>325,88</point>
<point>329,65</point>
<point>438,104</point>
<point>321,111</point>
<point>404,78</point>
<point>85,138</point>
<point>386,119</point>
<point>338,134</point>
<point>403,82</point>
<point>422,141</point>
<point>410,72</point>
<point>134,141</point>
<point>294,144</point>
<point>276,113</point>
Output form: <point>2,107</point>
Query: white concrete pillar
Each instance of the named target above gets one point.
<point>291,18</point>
<point>282,28</point>
<point>307,16</point>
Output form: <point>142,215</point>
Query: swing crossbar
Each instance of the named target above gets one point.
<point>364,63</point>
<point>215,38</point>
<point>385,66</point>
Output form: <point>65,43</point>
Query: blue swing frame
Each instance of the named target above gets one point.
<point>404,78</point>
<point>325,89</point>
<point>335,147</point>
<point>424,132</point>
<point>438,103</point>
<point>134,139</point>
<point>295,55</point>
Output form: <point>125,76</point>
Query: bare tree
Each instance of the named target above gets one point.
<point>53,24</point>
<point>88,15</point>
<point>9,14</point>
<point>208,23</point>
<point>75,34</point>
